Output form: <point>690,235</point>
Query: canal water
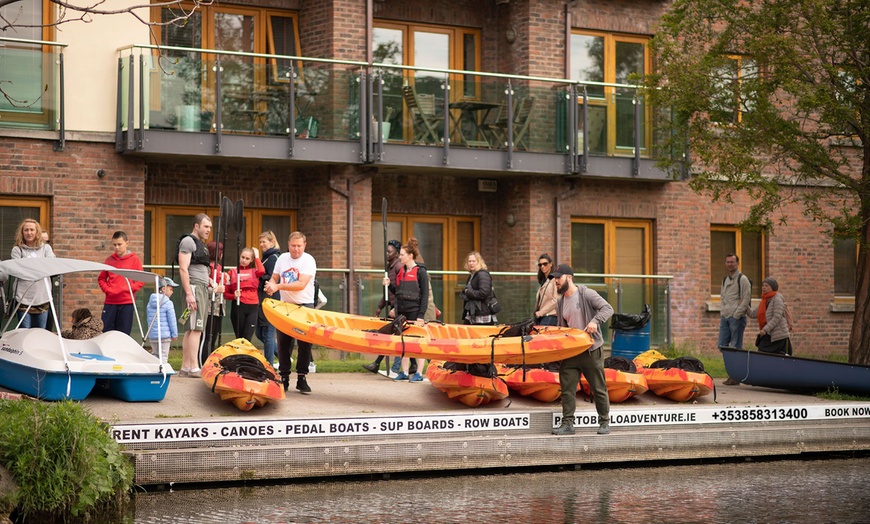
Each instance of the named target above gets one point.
<point>788,491</point>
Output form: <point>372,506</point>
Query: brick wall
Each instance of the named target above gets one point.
<point>85,209</point>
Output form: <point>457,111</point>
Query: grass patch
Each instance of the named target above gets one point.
<point>66,465</point>
<point>835,394</point>
<point>713,365</point>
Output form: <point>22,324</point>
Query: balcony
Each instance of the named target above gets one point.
<point>194,103</point>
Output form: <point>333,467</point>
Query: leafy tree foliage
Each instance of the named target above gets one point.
<point>771,98</point>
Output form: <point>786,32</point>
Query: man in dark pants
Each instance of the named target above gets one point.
<point>581,307</point>
<point>293,276</point>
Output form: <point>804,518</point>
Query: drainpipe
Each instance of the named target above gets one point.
<point>558,219</point>
<point>369,31</point>
<point>348,195</point>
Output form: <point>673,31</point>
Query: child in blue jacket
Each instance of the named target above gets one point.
<point>168,330</point>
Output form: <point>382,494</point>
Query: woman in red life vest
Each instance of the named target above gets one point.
<point>242,284</point>
<point>412,298</point>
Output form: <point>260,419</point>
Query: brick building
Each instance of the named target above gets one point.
<point>151,137</point>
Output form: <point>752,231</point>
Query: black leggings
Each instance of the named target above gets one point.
<point>244,319</point>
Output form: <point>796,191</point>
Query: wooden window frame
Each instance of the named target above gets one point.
<point>738,250</point>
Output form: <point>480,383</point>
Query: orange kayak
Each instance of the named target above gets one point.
<point>538,383</point>
<point>238,372</point>
<point>464,387</point>
<point>677,384</point>
<point>435,341</point>
<point>621,385</point>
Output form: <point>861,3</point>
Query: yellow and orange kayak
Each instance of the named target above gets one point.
<point>464,387</point>
<point>538,383</point>
<point>238,372</point>
<point>677,384</point>
<point>447,342</point>
<point>621,385</point>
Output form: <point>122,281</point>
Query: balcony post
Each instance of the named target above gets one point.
<point>131,145</point>
<point>635,163</point>
<point>571,131</point>
<point>364,118</point>
<point>510,125</point>
<point>218,105</point>
<point>446,131</point>
<point>291,111</point>
<point>584,162</point>
<point>61,140</point>
<point>119,125</point>
<point>140,135</point>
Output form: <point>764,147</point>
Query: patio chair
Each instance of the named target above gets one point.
<point>427,120</point>
<point>522,119</point>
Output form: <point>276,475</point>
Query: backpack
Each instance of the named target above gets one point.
<point>739,274</point>
<point>788,320</point>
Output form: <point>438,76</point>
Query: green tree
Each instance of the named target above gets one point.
<point>771,98</point>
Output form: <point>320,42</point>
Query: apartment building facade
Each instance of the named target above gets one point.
<point>507,127</point>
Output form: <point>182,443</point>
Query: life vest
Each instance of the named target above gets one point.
<point>199,255</point>
<point>407,285</point>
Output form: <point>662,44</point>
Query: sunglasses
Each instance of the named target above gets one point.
<point>543,264</point>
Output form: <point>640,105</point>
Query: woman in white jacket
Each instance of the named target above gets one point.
<point>162,331</point>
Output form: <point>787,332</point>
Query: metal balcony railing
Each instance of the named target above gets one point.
<point>376,105</point>
<point>32,91</point>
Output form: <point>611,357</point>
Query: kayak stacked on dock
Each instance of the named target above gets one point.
<point>238,373</point>
<point>540,383</point>
<point>468,344</point>
<point>463,386</point>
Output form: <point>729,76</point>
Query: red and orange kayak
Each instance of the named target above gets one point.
<point>238,372</point>
<point>621,385</point>
<point>464,387</point>
<point>538,383</point>
<point>677,384</point>
<point>468,344</point>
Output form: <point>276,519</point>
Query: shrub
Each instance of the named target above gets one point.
<point>63,460</point>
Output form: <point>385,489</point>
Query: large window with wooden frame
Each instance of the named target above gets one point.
<point>611,58</point>
<point>164,225</point>
<point>749,248</point>
<point>845,268</point>
<point>186,80</point>
<point>614,246</point>
<point>436,47</point>
<point>13,211</point>
<point>444,241</point>
<point>28,71</point>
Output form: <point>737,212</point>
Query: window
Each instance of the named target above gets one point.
<point>435,47</point>
<point>601,246</point>
<point>727,103</point>
<point>845,267</point>
<point>164,225</point>
<point>608,58</point>
<point>444,242</point>
<point>283,39</point>
<point>13,211</point>
<point>748,246</point>
<point>28,71</point>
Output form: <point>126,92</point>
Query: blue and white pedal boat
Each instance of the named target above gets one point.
<point>40,363</point>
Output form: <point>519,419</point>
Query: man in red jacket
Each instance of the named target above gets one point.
<point>118,308</point>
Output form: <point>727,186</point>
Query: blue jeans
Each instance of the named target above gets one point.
<point>32,320</point>
<point>731,332</point>
<point>266,333</point>
<point>548,320</point>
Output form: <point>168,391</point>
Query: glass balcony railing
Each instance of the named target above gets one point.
<point>200,90</point>
<point>31,91</point>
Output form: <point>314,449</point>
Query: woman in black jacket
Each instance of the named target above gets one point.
<point>478,292</point>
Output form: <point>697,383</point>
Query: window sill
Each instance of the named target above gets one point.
<point>842,307</point>
<point>713,305</point>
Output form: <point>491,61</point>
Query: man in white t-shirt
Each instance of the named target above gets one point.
<point>293,276</point>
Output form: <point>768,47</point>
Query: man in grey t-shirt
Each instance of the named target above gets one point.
<point>583,308</point>
<point>193,269</point>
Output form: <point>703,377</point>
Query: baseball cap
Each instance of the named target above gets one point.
<point>169,282</point>
<point>562,269</point>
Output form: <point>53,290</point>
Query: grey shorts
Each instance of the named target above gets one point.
<point>197,319</point>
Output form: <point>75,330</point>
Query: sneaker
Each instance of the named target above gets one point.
<point>302,384</point>
<point>183,372</point>
<point>416,377</point>
<point>373,367</point>
<point>286,382</point>
<point>564,429</point>
<point>194,373</point>
<point>604,428</point>
<point>401,376</point>
<point>731,382</point>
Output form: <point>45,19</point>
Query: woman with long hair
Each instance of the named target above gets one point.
<point>548,294</point>
<point>412,298</point>
<point>478,291</point>
<point>242,290</point>
<point>270,251</point>
<point>32,297</point>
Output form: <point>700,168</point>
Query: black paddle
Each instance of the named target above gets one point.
<point>386,269</point>
<point>239,225</point>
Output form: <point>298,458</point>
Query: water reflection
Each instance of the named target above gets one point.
<point>833,490</point>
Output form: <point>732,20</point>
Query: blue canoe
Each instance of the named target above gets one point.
<point>795,373</point>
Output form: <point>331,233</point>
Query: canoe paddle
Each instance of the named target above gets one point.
<point>239,225</point>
